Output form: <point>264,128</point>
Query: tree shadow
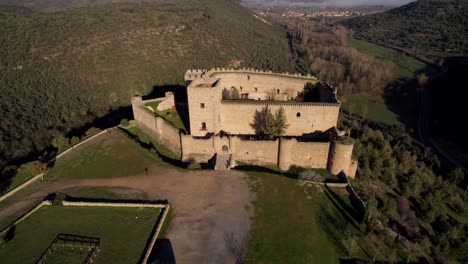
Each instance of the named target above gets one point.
<point>341,207</point>
<point>234,247</point>
<point>150,147</point>
<point>7,178</point>
<point>162,252</point>
<point>10,234</point>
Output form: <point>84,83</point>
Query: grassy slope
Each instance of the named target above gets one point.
<point>34,235</point>
<point>99,56</point>
<point>406,70</point>
<point>289,228</point>
<point>98,159</point>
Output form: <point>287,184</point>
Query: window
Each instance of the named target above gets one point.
<point>298,114</point>
<point>256,89</point>
<point>202,105</point>
<point>248,77</point>
<point>203,126</point>
<point>241,88</point>
<point>277,91</point>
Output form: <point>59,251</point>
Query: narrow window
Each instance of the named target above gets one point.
<point>298,114</point>
<point>248,77</point>
<point>277,91</point>
<point>241,88</point>
<point>203,126</point>
<point>256,89</point>
<point>202,105</point>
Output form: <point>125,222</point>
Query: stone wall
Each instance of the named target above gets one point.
<point>303,118</point>
<point>199,149</point>
<point>304,154</point>
<point>169,136</point>
<point>156,127</point>
<point>259,152</point>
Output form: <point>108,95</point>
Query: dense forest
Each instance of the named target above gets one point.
<point>416,210</point>
<point>63,70</point>
<point>323,49</point>
<point>434,28</point>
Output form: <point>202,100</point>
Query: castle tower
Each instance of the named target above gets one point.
<point>340,155</point>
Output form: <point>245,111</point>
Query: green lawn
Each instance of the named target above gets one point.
<point>296,224</point>
<point>171,116</point>
<point>68,255</point>
<point>376,111</point>
<point>98,159</point>
<point>123,232</point>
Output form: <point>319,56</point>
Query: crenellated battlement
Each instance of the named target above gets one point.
<point>193,74</point>
<point>280,103</point>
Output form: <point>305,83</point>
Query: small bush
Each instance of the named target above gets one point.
<point>124,122</point>
<point>311,175</point>
<point>91,131</point>
<point>193,165</point>
<point>74,141</point>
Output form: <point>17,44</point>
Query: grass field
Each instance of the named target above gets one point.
<point>67,255</point>
<point>376,111</point>
<point>33,235</point>
<point>98,159</point>
<point>171,116</point>
<point>296,224</point>
<point>406,66</point>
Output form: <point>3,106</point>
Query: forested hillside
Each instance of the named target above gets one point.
<point>62,70</point>
<point>434,28</point>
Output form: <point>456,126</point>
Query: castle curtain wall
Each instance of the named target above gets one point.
<point>304,118</point>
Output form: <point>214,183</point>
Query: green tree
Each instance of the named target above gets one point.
<point>280,122</point>
<point>456,176</point>
<point>74,141</point>
<point>60,142</point>
<point>268,124</point>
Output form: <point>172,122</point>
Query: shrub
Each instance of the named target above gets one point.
<point>311,175</point>
<point>124,122</point>
<point>74,141</point>
<point>193,165</point>
<point>60,142</point>
<point>91,131</point>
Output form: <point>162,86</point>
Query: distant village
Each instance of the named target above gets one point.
<point>310,13</point>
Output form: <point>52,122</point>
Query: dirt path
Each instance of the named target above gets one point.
<point>211,210</point>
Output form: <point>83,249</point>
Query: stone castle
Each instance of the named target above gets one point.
<point>220,127</point>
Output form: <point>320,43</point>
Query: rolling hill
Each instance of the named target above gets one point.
<point>434,28</point>
<point>64,69</point>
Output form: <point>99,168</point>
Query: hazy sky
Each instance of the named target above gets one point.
<point>326,2</point>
